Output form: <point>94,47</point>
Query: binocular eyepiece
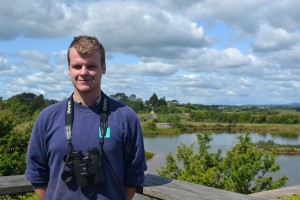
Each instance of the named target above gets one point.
<point>85,169</point>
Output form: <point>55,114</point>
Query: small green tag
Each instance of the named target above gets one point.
<point>107,133</point>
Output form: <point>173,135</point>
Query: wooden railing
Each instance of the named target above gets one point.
<point>156,187</point>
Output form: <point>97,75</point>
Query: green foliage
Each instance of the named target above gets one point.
<point>173,118</point>
<point>292,197</point>
<point>1,103</point>
<point>243,169</point>
<point>12,164</point>
<point>14,140</point>
<point>278,148</point>
<point>120,97</point>
<point>26,104</point>
<point>219,116</point>
<point>7,122</point>
<point>246,168</point>
<point>149,155</point>
<point>13,153</point>
<point>135,103</point>
<point>211,113</point>
<point>283,119</point>
<point>158,105</point>
<point>153,100</point>
<point>15,129</point>
<point>27,196</point>
<point>150,126</point>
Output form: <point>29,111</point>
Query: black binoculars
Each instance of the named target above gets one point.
<point>85,169</point>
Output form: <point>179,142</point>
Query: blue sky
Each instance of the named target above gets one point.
<point>207,52</point>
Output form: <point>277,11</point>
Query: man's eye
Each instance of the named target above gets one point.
<point>76,66</point>
<point>92,67</point>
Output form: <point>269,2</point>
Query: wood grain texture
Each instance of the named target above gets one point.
<point>160,188</point>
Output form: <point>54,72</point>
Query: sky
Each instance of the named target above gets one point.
<point>201,52</point>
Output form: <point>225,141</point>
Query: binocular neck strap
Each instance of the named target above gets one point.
<point>69,118</point>
<point>103,119</point>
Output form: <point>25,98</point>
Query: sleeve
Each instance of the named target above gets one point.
<point>37,171</point>
<point>135,161</point>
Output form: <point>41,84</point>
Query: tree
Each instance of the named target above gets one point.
<point>132,101</point>
<point>137,105</point>
<point>243,169</point>
<point>14,140</point>
<point>246,168</point>
<point>162,102</point>
<point>15,128</point>
<point>26,104</point>
<point>7,122</point>
<point>1,103</point>
<point>153,100</point>
<point>132,97</point>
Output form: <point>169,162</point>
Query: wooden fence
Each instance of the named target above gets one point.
<point>156,187</point>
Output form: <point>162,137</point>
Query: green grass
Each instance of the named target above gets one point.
<point>207,126</point>
<point>285,149</point>
<point>149,155</point>
<point>292,197</point>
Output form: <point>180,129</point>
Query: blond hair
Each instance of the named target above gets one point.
<point>86,45</point>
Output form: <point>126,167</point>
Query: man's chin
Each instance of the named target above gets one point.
<point>86,89</point>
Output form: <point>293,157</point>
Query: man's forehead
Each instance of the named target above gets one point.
<point>75,56</point>
<point>75,51</point>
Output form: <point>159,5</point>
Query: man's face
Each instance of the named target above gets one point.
<point>85,72</point>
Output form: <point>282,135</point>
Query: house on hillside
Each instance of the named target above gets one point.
<point>151,116</point>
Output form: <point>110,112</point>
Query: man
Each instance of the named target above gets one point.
<point>87,120</point>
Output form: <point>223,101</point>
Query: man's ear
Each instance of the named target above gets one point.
<point>69,70</point>
<point>103,68</point>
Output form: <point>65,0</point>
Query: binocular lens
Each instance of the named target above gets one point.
<point>66,176</point>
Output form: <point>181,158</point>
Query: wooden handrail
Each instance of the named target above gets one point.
<point>168,189</point>
<point>14,185</point>
<point>154,186</point>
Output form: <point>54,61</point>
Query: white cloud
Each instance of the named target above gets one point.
<point>284,14</point>
<point>34,55</point>
<point>212,60</point>
<point>180,50</point>
<point>286,59</point>
<point>144,69</point>
<point>4,65</point>
<point>141,29</point>
<point>244,15</point>
<point>40,19</point>
<point>274,39</point>
<point>56,86</point>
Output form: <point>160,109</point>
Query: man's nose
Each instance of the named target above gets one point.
<point>83,70</point>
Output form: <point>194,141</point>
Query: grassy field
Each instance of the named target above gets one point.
<point>284,149</point>
<point>206,126</point>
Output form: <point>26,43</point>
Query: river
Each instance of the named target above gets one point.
<point>161,145</point>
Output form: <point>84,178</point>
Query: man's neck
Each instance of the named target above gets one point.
<point>87,100</point>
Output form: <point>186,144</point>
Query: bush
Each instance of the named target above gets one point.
<point>27,196</point>
<point>243,169</point>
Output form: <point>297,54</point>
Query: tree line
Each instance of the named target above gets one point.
<point>244,117</point>
<point>28,105</point>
